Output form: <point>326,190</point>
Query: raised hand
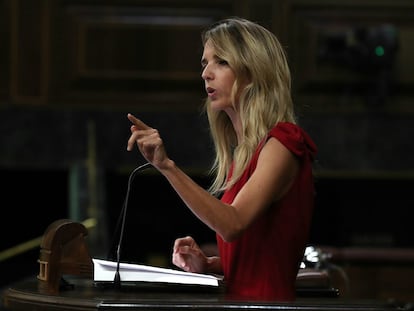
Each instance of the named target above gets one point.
<point>148,141</point>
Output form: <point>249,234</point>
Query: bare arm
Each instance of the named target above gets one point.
<point>275,172</point>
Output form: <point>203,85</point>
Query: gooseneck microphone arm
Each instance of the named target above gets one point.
<point>117,278</point>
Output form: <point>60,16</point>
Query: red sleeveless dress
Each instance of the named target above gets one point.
<point>263,262</point>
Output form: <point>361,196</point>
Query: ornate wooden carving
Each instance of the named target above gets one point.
<point>63,252</point>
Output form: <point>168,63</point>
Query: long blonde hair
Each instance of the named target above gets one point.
<point>255,55</point>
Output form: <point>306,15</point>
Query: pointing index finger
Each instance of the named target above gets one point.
<point>137,122</point>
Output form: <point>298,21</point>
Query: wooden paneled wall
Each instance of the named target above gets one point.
<point>352,55</point>
<point>113,53</point>
<point>110,53</point>
<point>4,51</point>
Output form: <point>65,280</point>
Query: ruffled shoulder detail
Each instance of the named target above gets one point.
<point>294,138</point>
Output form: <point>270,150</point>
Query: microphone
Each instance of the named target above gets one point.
<point>117,278</point>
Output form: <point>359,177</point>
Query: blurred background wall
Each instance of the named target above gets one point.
<point>70,71</point>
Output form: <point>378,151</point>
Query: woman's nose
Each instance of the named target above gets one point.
<point>206,74</point>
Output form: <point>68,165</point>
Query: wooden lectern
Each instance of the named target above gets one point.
<point>63,251</point>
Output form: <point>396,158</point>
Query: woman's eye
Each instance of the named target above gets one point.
<point>222,62</point>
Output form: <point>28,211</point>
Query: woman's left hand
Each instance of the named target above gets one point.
<point>149,142</point>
